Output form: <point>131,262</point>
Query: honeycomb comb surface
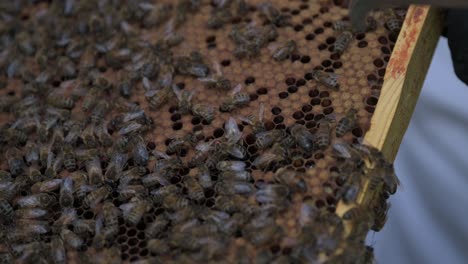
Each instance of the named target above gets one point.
<point>289,94</point>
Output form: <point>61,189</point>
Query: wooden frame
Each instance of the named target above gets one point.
<point>404,78</point>
<point>403,81</point>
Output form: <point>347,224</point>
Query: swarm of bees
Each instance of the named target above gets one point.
<point>80,169</point>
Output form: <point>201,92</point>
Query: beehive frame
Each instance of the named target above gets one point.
<point>401,84</point>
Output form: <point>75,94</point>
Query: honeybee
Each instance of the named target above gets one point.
<point>273,156</point>
<point>158,247</point>
<point>174,201</point>
<point>66,192</point>
<point>302,136</point>
<point>347,123</point>
<point>351,193</point>
<point>380,212</point>
<point>322,136</point>
<point>157,226</point>
<point>290,178</point>
<point>235,100</point>
<point>72,239</point>
<point>204,176</point>
<point>15,161</point>
<point>156,15</point>
<point>134,210</point>
<point>69,160</point>
<point>192,65</point>
<point>342,42</point>
<point>217,81</point>
<point>256,122</point>
<point>226,204</point>
<point>392,22</point>
<point>73,134</point>
<point>94,170</point>
<point>194,189</point>
<point>43,200</point>
<point>328,79</point>
<point>206,112</point>
<point>103,135</point>
<point>284,51</point>
<point>32,226</point>
<point>234,187</point>
<point>110,214</point>
<point>57,250</point>
<point>60,101</point>
<point>273,15</point>
<point>342,25</point>
<point>84,226</point>
<point>46,186</point>
<point>140,153</point>
<point>235,175</point>
<point>264,235</point>
<point>176,145</point>
<point>5,209</point>
<point>88,136</point>
<point>95,197</point>
<point>272,193</point>
<point>67,217</point>
<point>157,98</point>
<point>154,179</point>
<point>268,138</point>
<point>116,165</point>
<point>231,165</point>
<point>184,98</point>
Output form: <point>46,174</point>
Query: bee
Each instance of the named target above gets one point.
<point>103,135</point>
<point>342,25</point>
<point>66,218</point>
<point>194,189</point>
<point>176,145</point>
<point>328,79</point>
<point>72,239</point>
<point>60,101</point>
<point>235,175</point>
<point>290,178</point>
<point>69,160</point>
<point>184,98</point>
<point>234,187</point>
<point>88,136</point>
<point>342,42</point>
<point>110,214</point>
<point>192,66</point>
<point>116,165</point>
<point>139,152</point>
<point>235,100</point>
<point>204,176</point>
<point>273,15</point>
<point>46,186</point>
<point>159,194</point>
<point>201,154</point>
<point>155,179</point>
<point>131,175</point>
<point>95,197</point>
<point>271,157</point>
<point>156,15</point>
<point>172,38</point>
<point>302,136</point>
<point>84,226</point>
<point>133,212</point>
<point>175,201</point>
<point>217,81</point>
<point>284,51</point>
<point>5,209</point>
<point>43,200</point>
<point>32,226</point>
<point>380,212</point>
<point>322,136</point>
<point>158,247</point>
<point>15,161</point>
<point>31,213</point>
<point>347,123</point>
<point>351,193</point>
<point>231,165</point>
<point>94,170</point>
<point>73,134</point>
<point>272,193</point>
<point>256,122</point>
<point>225,203</point>
<point>157,98</point>
<point>268,138</point>
<point>392,22</point>
<point>66,192</point>
<point>155,228</point>
<point>264,235</point>
<point>57,249</point>
<point>204,111</point>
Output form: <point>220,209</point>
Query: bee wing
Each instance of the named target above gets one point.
<point>127,207</point>
<point>341,150</point>
<point>207,79</point>
<point>261,112</point>
<point>245,119</point>
<point>204,146</point>
<point>273,47</point>
<point>177,91</point>
<point>236,89</point>
<point>147,85</point>
<point>159,154</point>
<point>233,134</point>
<point>217,68</point>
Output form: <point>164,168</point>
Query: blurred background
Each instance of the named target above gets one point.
<point>428,219</point>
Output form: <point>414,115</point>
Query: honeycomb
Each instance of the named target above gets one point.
<point>96,169</point>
